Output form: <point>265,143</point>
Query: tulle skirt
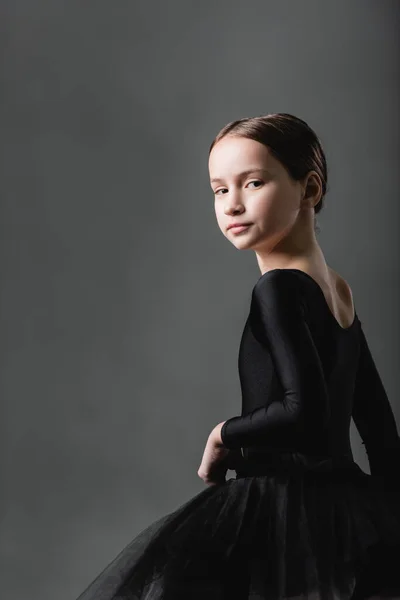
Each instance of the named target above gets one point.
<point>289,527</point>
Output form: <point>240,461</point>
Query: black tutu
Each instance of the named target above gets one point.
<point>287,528</point>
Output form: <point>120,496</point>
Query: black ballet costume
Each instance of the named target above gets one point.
<point>301,519</point>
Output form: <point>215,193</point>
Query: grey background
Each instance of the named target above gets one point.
<point>122,304</point>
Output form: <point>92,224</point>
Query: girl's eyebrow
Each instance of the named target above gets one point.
<point>242,174</point>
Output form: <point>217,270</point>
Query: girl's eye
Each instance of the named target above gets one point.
<point>255,181</point>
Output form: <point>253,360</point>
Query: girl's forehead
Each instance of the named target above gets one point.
<point>243,149</point>
<point>235,159</point>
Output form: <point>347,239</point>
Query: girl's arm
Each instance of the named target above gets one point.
<point>277,315</point>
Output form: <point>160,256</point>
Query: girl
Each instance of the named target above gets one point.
<point>300,520</point>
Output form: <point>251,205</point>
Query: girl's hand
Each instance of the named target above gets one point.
<point>216,458</point>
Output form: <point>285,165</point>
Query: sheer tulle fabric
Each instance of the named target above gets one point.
<point>287,531</point>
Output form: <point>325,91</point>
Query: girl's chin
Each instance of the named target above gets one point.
<point>243,244</point>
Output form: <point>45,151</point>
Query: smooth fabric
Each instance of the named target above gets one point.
<point>300,520</point>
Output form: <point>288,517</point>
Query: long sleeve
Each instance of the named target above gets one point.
<point>279,318</point>
<point>373,416</point>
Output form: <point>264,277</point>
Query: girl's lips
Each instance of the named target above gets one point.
<point>238,228</point>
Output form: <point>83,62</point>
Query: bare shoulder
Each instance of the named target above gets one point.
<point>342,286</point>
<point>338,295</point>
<point>343,307</point>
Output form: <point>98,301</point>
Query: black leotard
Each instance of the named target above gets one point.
<point>303,376</point>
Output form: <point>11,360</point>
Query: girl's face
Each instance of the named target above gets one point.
<point>265,196</point>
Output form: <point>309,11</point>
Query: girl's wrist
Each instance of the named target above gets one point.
<point>216,434</point>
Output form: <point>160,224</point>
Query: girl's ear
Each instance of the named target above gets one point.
<point>312,189</point>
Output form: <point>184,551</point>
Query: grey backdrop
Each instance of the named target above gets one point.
<point>122,304</point>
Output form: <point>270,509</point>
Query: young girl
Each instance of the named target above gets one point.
<point>301,520</point>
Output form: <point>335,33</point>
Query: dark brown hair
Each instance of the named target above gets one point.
<point>290,140</point>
